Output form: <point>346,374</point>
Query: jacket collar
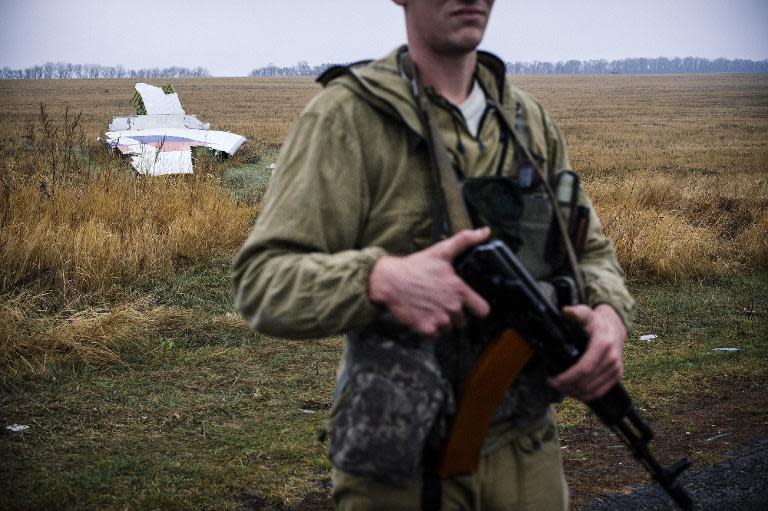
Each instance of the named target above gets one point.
<point>384,86</point>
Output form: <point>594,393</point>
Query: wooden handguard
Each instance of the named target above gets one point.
<point>494,372</point>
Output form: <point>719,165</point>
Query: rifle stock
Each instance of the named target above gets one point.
<point>518,303</point>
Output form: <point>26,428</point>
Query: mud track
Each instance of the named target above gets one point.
<point>723,431</point>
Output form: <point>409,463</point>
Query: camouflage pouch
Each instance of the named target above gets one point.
<point>392,395</point>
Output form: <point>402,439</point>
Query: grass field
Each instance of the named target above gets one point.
<point>120,348</point>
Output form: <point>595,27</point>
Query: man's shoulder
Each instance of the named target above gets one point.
<point>532,121</point>
<point>332,99</point>
<point>524,97</point>
<point>492,73</point>
<point>527,109</point>
<point>369,90</point>
<point>353,86</point>
<point>363,69</point>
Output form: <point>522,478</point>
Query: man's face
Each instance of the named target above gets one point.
<point>449,27</point>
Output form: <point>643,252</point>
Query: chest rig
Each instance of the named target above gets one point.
<point>537,215</point>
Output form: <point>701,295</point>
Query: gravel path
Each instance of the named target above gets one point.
<point>740,484</point>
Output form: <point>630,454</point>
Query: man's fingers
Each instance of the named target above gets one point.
<point>435,325</point>
<point>601,366</point>
<point>565,379</point>
<point>578,313</point>
<point>594,392</point>
<point>455,309</point>
<point>475,303</point>
<point>448,249</point>
<point>586,390</point>
<point>568,381</point>
<point>592,376</point>
<point>577,371</point>
<point>423,291</point>
<point>598,386</point>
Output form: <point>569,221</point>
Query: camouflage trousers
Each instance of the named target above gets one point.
<point>522,472</point>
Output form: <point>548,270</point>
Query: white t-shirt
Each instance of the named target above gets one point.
<point>473,108</point>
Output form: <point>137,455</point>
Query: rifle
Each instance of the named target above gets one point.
<point>535,325</point>
<point>520,310</point>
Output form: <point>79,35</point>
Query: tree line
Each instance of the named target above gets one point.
<point>660,65</point>
<point>636,66</point>
<point>300,69</point>
<point>66,70</point>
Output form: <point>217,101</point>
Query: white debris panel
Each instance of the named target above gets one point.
<point>145,122</point>
<point>157,101</point>
<point>161,141</point>
<point>154,162</point>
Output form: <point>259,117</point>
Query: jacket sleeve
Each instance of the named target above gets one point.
<point>603,277</point>
<point>301,273</point>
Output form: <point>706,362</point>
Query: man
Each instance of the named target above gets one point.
<point>346,243</point>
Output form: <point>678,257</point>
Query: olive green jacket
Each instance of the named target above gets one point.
<point>351,184</point>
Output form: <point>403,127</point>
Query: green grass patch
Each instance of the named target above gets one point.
<point>249,180</point>
<point>204,286</point>
<point>200,413</point>
<point>690,319</point>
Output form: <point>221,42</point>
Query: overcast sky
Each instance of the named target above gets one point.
<point>231,37</point>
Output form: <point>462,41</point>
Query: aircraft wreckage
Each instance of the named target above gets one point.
<point>160,138</point>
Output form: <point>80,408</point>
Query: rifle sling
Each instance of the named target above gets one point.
<point>573,260</point>
<point>446,184</point>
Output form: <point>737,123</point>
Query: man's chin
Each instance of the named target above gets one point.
<point>469,38</point>
<point>461,47</point>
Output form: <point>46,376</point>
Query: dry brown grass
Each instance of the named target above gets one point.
<point>32,341</point>
<point>74,218</point>
<point>672,227</point>
<point>114,228</point>
<point>754,241</point>
<point>676,167</point>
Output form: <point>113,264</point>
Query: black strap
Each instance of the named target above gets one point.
<point>431,488</point>
<point>447,194</point>
<point>519,137</point>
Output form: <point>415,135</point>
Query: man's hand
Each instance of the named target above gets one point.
<point>602,365</point>
<point>423,291</point>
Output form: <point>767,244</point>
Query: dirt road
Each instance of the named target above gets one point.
<point>740,484</point>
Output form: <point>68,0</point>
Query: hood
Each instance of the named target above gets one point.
<point>384,86</point>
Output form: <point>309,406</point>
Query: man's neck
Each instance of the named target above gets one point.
<point>450,75</point>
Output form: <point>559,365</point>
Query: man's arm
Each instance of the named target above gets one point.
<point>299,273</point>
